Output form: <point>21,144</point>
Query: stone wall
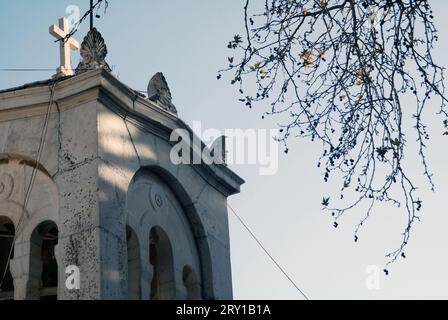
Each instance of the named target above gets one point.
<point>106,181</point>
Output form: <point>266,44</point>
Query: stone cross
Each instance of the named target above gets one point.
<point>65,68</point>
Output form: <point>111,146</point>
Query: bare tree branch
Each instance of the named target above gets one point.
<point>339,70</point>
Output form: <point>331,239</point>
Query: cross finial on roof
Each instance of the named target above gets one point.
<point>65,45</point>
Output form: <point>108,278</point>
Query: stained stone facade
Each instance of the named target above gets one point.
<point>106,197</point>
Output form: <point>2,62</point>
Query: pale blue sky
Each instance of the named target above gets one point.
<point>186,40</point>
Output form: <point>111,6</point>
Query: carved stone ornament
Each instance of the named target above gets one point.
<point>93,53</point>
<point>6,186</point>
<point>156,197</point>
<point>158,91</point>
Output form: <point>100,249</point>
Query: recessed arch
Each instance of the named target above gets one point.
<point>6,158</point>
<point>134,269</point>
<point>196,226</point>
<point>7,234</point>
<point>43,277</point>
<point>163,284</point>
<point>33,265</point>
<point>43,200</point>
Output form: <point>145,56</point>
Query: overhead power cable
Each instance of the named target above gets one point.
<point>32,179</point>
<point>24,69</point>
<point>267,252</point>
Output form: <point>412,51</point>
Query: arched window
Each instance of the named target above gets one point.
<point>163,285</point>
<point>133,265</point>
<point>191,283</point>
<point>7,232</point>
<point>43,280</point>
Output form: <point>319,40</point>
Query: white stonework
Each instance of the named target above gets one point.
<point>137,225</point>
<point>65,46</point>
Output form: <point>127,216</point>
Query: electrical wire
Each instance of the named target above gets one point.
<point>33,177</point>
<point>44,129</point>
<point>24,69</point>
<point>267,252</point>
<point>89,12</point>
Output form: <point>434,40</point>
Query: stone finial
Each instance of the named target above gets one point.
<point>158,91</point>
<point>93,53</point>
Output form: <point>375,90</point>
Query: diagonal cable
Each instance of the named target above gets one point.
<point>267,252</point>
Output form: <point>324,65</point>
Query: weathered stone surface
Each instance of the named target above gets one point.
<point>106,170</point>
<point>158,91</point>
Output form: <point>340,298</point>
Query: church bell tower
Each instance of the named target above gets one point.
<point>91,205</point>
